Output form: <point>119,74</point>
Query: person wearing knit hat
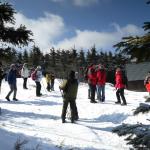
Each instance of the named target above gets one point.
<point>69,88</point>
<point>12,81</point>
<point>38,80</point>
<point>25,75</point>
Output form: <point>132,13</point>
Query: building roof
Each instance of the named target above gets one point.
<point>137,71</point>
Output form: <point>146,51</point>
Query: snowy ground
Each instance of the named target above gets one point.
<point>36,120</point>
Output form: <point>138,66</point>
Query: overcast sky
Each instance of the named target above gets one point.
<point>81,23</point>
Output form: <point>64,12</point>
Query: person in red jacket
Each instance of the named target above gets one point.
<point>120,86</point>
<point>147,85</point>
<point>92,80</point>
<point>86,74</point>
<point>101,80</point>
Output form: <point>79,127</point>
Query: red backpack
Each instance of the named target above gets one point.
<point>33,75</point>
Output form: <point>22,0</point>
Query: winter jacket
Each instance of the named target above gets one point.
<point>101,77</point>
<point>92,76</point>
<point>70,88</point>
<point>87,72</point>
<point>119,80</point>
<point>148,86</point>
<point>48,78</point>
<point>25,72</point>
<point>38,76</point>
<point>11,77</point>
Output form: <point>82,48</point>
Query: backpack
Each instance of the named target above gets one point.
<point>70,89</point>
<point>33,75</point>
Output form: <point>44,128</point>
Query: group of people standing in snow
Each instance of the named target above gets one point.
<point>25,73</point>
<point>69,86</point>
<point>96,78</point>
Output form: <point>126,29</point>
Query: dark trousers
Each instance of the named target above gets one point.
<point>89,92</point>
<point>120,93</point>
<point>52,85</point>
<point>92,89</point>
<point>13,88</point>
<point>76,117</point>
<point>38,88</point>
<point>25,83</point>
<point>0,82</point>
<point>73,109</point>
<point>0,85</point>
<point>48,86</point>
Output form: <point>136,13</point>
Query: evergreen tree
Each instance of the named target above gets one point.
<point>8,54</point>
<point>73,57</point>
<point>52,57</point>
<point>36,56</point>
<point>81,58</point>
<point>92,55</point>
<point>25,56</point>
<point>136,47</point>
<point>10,35</point>
<point>20,57</point>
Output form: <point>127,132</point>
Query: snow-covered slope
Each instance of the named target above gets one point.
<point>37,122</point>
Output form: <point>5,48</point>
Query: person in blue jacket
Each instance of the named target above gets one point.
<point>12,81</point>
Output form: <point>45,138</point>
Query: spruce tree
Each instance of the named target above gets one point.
<point>10,35</point>
<point>136,46</point>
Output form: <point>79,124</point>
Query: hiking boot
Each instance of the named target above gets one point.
<point>39,95</point>
<point>15,99</point>
<point>103,99</point>
<point>7,98</point>
<point>76,118</point>
<point>72,120</point>
<point>117,102</point>
<point>63,121</point>
<point>123,104</point>
<point>93,101</point>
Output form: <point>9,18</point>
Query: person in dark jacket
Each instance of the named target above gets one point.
<point>2,75</point>
<point>70,88</point>
<point>12,81</point>
<point>120,86</point>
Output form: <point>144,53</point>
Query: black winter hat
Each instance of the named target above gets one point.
<point>71,74</point>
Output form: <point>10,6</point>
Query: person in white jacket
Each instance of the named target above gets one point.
<point>25,75</point>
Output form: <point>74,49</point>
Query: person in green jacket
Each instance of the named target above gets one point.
<point>69,88</point>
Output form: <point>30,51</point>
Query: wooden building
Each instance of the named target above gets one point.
<point>136,73</point>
